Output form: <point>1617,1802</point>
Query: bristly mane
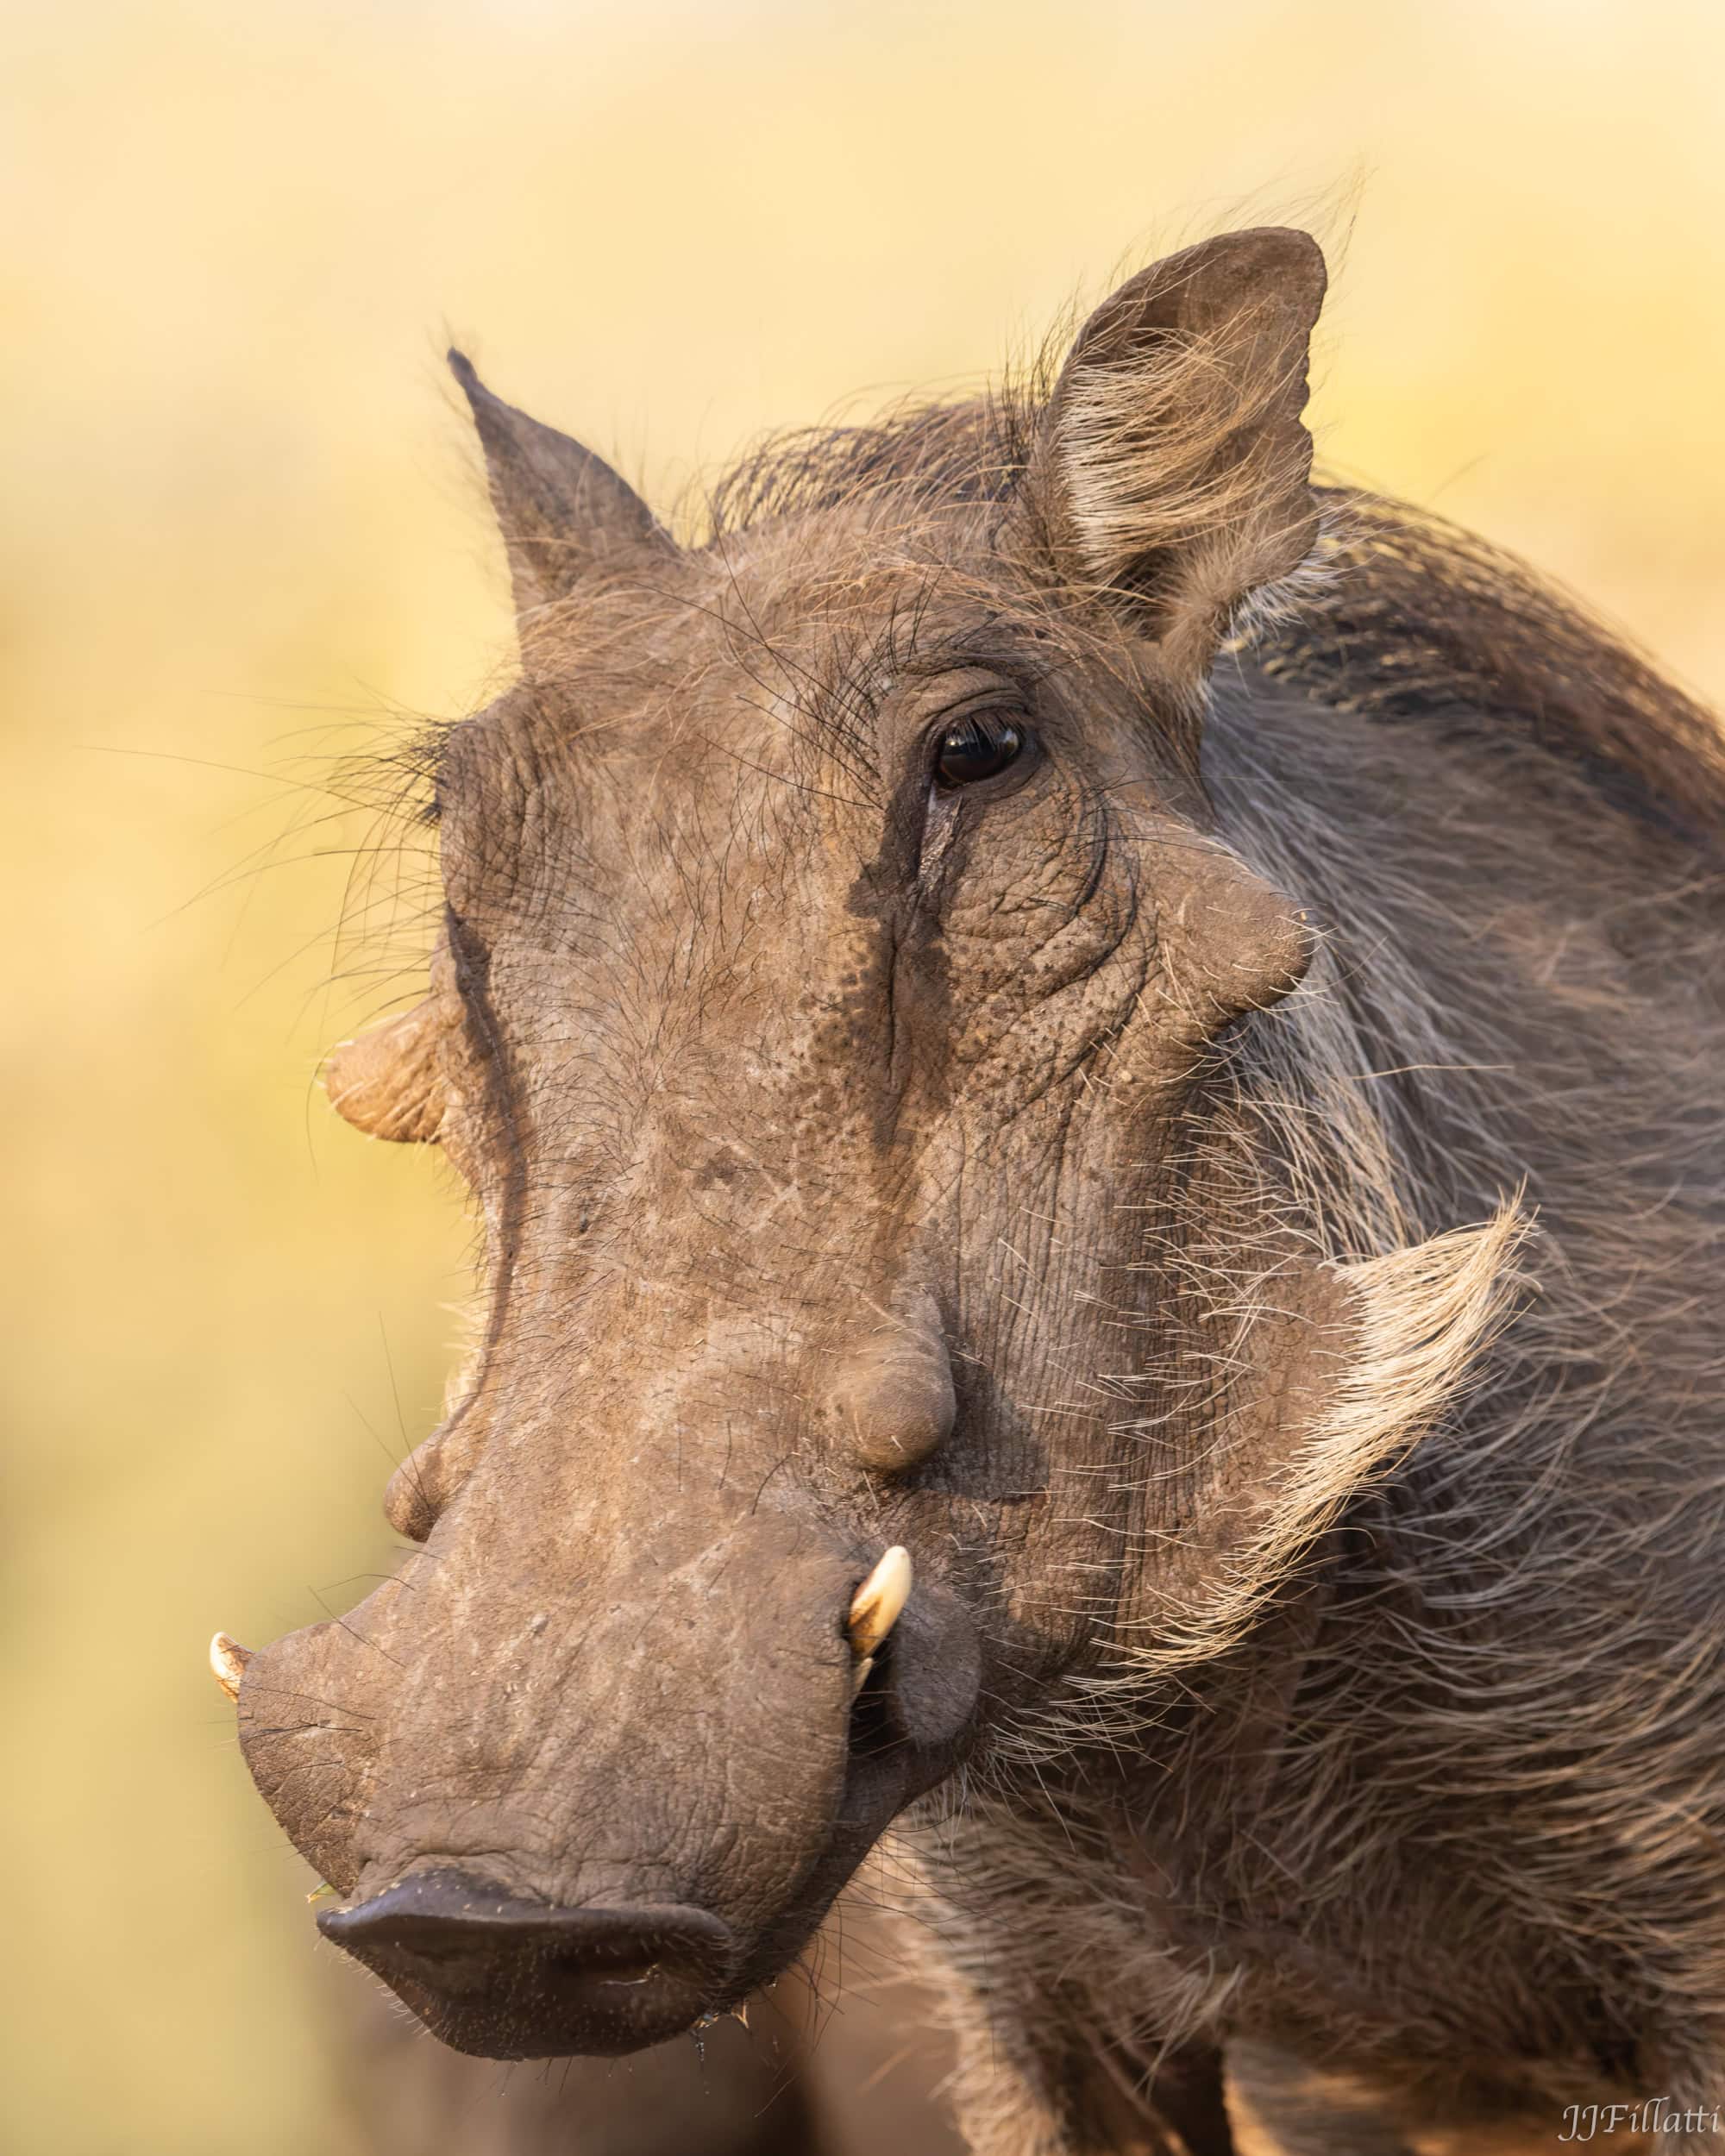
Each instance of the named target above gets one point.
<point>1422,621</point>
<point>964,453</point>
<point>1410,619</point>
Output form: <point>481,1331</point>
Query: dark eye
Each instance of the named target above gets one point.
<point>975,748</point>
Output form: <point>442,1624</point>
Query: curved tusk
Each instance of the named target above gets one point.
<point>877,1605</point>
<point>228,1660</point>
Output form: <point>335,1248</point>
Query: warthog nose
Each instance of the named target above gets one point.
<point>511,1978</point>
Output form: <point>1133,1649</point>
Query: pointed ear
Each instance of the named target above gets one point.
<point>563,512</point>
<point>1172,470</point>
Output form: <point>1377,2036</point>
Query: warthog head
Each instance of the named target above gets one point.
<point>830,1015</point>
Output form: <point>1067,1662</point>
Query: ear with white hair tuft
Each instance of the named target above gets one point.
<point>1172,471</point>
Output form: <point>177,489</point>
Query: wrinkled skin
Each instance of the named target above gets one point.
<point>992,1007</point>
<point>796,1085</point>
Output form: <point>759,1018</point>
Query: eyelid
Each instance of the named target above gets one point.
<point>955,679</point>
<point>976,706</point>
<point>990,691</point>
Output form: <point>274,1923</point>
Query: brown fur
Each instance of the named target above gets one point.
<point>1280,1123</point>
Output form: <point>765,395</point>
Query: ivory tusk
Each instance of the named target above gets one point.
<point>877,1605</point>
<point>228,1660</point>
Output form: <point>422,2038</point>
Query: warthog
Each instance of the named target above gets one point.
<point>1094,1077</point>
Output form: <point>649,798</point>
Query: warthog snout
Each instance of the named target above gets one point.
<point>592,1824</point>
<point>496,1972</point>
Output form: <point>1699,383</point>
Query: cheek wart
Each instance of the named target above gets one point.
<point>1241,944</point>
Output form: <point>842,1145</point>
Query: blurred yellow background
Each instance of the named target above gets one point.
<point>243,533</point>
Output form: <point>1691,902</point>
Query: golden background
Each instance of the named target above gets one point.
<point>243,532</point>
